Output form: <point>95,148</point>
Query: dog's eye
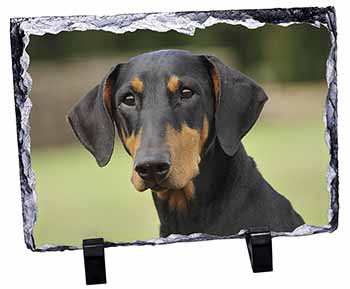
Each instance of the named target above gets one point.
<point>186,93</point>
<point>129,100</point>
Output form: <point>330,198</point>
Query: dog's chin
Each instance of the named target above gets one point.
<point>141,186</point>
<point>158,188</point>
<point>168,185</point>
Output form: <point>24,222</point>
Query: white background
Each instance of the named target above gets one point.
<point>318,261</point>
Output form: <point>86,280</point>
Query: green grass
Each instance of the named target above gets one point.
<point>78,200</point>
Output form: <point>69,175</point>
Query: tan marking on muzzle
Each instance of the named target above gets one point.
<point>173,83</point>
<point>137,85</point>
<point>185,149</point>
<point>132,143</point>
<point>137,181</point>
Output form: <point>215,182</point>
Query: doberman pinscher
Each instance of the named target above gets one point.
<point>181,117</point>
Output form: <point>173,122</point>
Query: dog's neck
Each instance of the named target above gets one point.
<point>220,173</point>
<point>219,179</point>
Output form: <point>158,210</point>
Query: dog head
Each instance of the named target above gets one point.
<point>168,107</point>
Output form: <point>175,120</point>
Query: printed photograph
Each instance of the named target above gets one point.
<point>148,134</point>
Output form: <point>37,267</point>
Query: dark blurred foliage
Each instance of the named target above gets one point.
<point>270,53</point>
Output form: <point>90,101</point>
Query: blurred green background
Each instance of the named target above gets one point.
<point>78,200</point>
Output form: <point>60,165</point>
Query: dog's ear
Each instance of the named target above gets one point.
<point>91,119</point>
<point>238,103</point>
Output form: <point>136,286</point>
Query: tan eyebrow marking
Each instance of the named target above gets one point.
<point>137,84</point>
<point>173,83</point>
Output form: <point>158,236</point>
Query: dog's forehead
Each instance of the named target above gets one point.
<point>164,63</point>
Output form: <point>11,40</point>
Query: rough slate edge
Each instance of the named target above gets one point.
<point>183,22</point>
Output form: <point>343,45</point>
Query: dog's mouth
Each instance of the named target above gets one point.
<point>157,187</point>
<point>169,182</point>
<point>165,186</point>
<point>178,192</point>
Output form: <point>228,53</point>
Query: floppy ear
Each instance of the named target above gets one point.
<point>238,103</point>
<point>91,119</point>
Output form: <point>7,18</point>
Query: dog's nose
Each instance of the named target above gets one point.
<point>152,171</point>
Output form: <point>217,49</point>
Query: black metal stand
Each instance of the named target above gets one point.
<point>94,260</point>
<point>259,245</point>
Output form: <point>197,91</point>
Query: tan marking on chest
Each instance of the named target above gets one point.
<point>178,199</point>
<point>163,195</point>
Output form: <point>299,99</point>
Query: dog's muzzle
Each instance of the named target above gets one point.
<point>153,170</point>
